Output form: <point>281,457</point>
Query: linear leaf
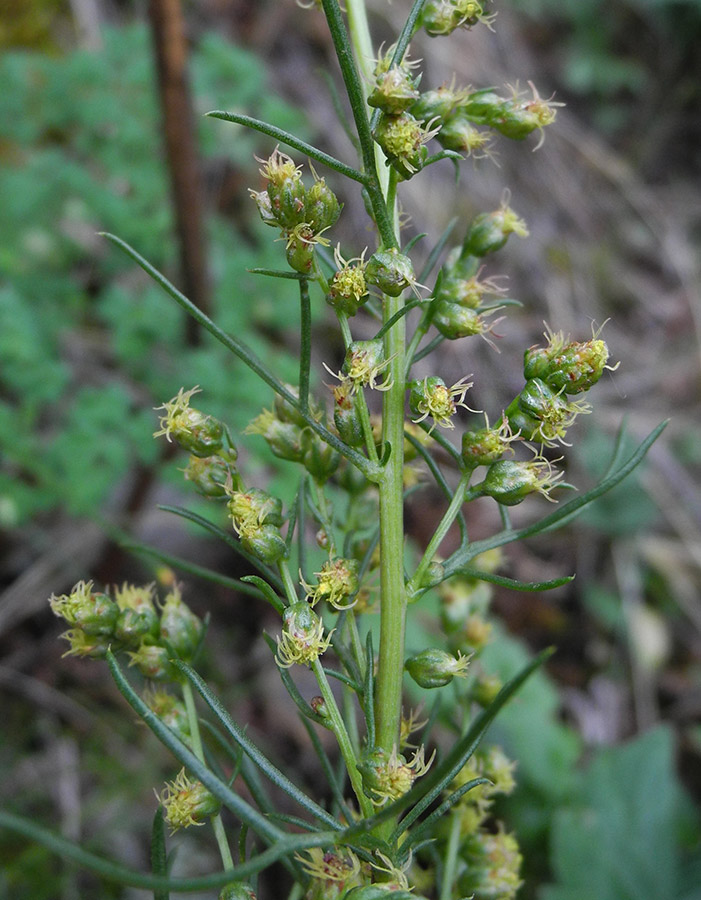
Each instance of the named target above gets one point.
<point>513,583</point>
<point>290,140</point>
<point>249,748</point>
<point>191,568</point>
<point>250,816</point>
<point>561,516</point>
<point>268,593</point>
<point>285,847</point>
<point>430,788</point>
<point>159,860</point>
<point>418,833</point>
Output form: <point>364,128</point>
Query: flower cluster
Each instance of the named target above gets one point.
<point>132,619</point>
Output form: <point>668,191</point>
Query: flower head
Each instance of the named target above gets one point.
<point>199,433</point>
<point>337,583</point>
<point>432,397</point>
<point>187,802</point>
<point>389,777</point>
<point>302,639</point>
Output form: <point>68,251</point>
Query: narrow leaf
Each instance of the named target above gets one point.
<point>290,140</point>
<point>561,516</point>
<point>283,848</point>
<point>430,787</point>
<point>268,593</point>
<point>437,250</point>
<point>515,585</point>
<point>334,783</point>
<point>418,834</point>
<point>159,860</point>
<point>276,273</point>
<point>191,568</point>
<point>225,536</point>
<point>250,749</point>
<point>258,823</point>
<point>293,690</point>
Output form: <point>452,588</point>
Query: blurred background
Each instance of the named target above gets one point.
<point>102,129</point>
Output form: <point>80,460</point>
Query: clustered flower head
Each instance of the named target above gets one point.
<point>303,639</point>
<point>363,366</point>
<point>202,435</point>
<point>337,583</point>
<point>130,620</point>
<point>387,777</point>
<point>568,366</point>
<point>302,214</point>
<point>431,396</point>
<point>435,668</point>
<point>348,288</point>
<point>187,802</point>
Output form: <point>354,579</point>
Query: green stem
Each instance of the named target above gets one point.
<point>451,514</point>
<point>198,750</point>
<point>305,348</point>
<point>344,742</point>
<point>290,586</point>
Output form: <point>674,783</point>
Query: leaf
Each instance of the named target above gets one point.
<point>253,752</point>
<point>625,821</point>
<point>159,860</point>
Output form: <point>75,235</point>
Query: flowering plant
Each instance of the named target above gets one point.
<point>408,816</point>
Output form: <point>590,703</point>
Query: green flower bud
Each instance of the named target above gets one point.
<point>380,892</point>
<point>442,17</point>
<point>431,396</point>
<point>403,140</point>
<point>568,366</point>
<point>539,413</point>
<point>458,133</point>
<point>137,617</point>
<point>493,866</point>
<point>487,445</point>
<point>364,362</point>
<point>345,415</point>
<point>437,104</point>
<point>302,639</point>
<point>483,106</point>
<point>319,458</point>
<point>170,711</point>
<point>187,802</point>
<point>285,412</point>
<point>283,438</point>
<point>490,231</point>
<point>83,644</point>
<point>390,271</point>
<point>486,688</point>
<point>265,209</point>
<point>211,474</point>
<point>179,626</point>
<point>394,91</point>
<point>91,611</point>
<point>254,507</point>
<point>202,435</point>
<point>333,872</point>
<point>387,777</point>
<point>321,209</point>
<point>153,661</point>
<point>299,249</point>
<point>236,890</point>
<point>337,583</point>
<point>455,321</point>
<point>509,482</point>
<point>348,288</point>
<point>265,543</point>
<point>435,668</point>
<point>285,189</point>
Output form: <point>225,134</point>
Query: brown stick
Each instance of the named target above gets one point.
<point>170,45</point>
